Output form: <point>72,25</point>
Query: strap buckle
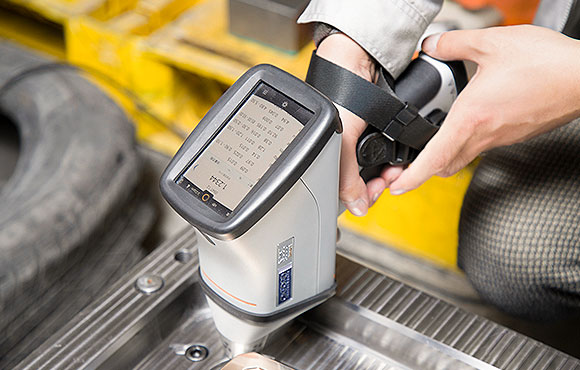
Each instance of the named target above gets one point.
<point>402,119</point>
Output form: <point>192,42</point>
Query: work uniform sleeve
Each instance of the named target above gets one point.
<point>389,30</point>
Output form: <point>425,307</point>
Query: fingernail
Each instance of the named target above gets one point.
<point>376,196</point>
<point>398,191</point>
<point>430,43</point>
<point>356,207</point>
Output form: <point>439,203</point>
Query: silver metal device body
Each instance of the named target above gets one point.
<point>281,263</point>
<point>268,252</point>
<point>447,92</point>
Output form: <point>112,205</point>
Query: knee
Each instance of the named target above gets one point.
<point>516,270</point>
<point>519,233</point>
<point>525,290</point>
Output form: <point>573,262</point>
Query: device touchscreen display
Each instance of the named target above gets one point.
<point>245,148</point>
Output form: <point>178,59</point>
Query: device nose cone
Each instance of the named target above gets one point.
<point>234,349</point>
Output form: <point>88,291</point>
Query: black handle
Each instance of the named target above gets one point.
<point>417,86</point>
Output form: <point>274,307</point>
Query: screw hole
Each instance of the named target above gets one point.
<point>183,255</point>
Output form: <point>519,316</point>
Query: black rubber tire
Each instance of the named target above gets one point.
<point>72,216</point>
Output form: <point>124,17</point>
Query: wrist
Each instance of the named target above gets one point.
<point>343,51</point>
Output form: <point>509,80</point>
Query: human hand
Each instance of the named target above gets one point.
<point>353,192</point>
<point>527,83</point>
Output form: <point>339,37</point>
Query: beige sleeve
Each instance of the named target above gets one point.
<point>389,30</point>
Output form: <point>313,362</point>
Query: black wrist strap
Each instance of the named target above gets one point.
<point>379,107</point>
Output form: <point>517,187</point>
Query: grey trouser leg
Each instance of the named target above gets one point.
<point>519,233</point>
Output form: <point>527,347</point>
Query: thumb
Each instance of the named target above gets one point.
<point>453,45</point>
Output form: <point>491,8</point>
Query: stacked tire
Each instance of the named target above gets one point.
<point>75,210</point>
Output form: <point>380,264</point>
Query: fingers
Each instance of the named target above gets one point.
<point>391,173</point>
<point>352,189</point>
<point>444,155</point>
<point>448,151</point>
<point>377,185</point>
<point>503,103</point>
<point>454,45</point>
<point>375,188</point>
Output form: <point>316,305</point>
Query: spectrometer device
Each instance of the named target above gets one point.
<point>258,178</point>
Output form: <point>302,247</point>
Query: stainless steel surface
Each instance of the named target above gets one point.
<point>105,326</point>
<point>374,322</point>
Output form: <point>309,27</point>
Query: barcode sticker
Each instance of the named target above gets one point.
<point>285,261</point>
<point>284,286</point>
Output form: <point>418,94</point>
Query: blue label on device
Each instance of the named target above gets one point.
<point>284,285</point>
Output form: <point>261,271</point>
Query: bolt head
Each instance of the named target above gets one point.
<point>149,283</point>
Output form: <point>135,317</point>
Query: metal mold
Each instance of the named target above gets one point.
<point>373,322</point>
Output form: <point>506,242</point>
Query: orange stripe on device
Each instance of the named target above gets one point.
<point>226,292</point>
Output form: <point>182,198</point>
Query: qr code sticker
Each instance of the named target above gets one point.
<point>285,252</point>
